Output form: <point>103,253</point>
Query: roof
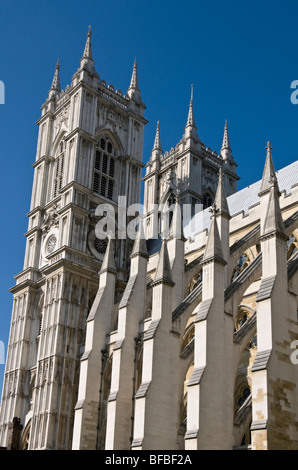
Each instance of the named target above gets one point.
<point>241,201</point>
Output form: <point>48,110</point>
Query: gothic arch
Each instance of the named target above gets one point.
<point>244,259</point>
<point>183,403</point>
<point>245,323</point>
<point>105,132</point>
<point>242,393</point>
<point>235,291</point>
<point>26,436</point>
<point>106,168</point>
<point>195,280</point>
<point>167,193</point>
<point>55,145</point>
<point>208,197</point>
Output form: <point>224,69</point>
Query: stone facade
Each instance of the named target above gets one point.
<point>179,341</point>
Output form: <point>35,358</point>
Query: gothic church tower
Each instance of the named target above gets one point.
<point>89,152</point>
<point>189,171</point>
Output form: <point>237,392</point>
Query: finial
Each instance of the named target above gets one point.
<point>268,147</point>
<point>214,210</point>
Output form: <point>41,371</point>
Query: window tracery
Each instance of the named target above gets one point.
<point>207,200</point>
<point>59,168</point>
<point>104,169</point>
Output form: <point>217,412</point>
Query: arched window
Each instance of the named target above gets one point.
<point>171,202</point>
<point>104,169</point>
<point>207,200</point>
<point>242,263</point>
<point>59,168</point>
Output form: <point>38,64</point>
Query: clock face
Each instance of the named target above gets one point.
<point>51,243</point>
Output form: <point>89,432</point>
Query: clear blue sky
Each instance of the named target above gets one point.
<point>240,56</point>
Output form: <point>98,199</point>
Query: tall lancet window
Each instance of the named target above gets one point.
<point>104,169</point>
<point>59,168</point>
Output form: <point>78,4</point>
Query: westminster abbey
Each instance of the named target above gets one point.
<point>183,336</point>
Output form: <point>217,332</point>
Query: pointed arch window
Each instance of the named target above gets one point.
<point>59,169</point>
<point>104,169</point>
<point>207,200</point>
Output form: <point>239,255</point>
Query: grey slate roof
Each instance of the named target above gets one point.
<point>247,197</point>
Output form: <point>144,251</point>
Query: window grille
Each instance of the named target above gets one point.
<point>104,169</point>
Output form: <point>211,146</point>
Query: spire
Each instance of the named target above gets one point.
<point>157,145</point>
<point>190,118</point>
<point>87,59</point>
<point>226,141</point>
<point>190,128</point>
<point>273,222</point>
<point>163,271</point>
<point>134,91</point>
<point>226,151</point>
<point>156,151</point>
<point>269,171</point>
<point>55,87</point>
<point>108,263</point>
<point>213,249</point>
<point>88,47</point>
<point>140,245</point>
<point>220,197</point>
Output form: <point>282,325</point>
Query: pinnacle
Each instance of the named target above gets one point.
<point>273,221</point>
<point>134,78</point>
<point>268,172</point>
<point>213,246</point>
<point>87,59</point>
<point>163,271</point>
<point>134,90</point>
<point>157,144</point>
<point>108,263</point>
<point>226,141</point>
<point>176,229</point>
<point>88,47</point>
<point>56,79</point>
<point>190,118</point>
<point>220,197</point>
<point>140,245</point>
<point>226,151</point>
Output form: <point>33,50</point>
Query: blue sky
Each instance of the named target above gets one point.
<point>240,56</point>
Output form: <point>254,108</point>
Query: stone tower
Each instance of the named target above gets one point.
<point>89,152</point>
<point>190,170</point>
